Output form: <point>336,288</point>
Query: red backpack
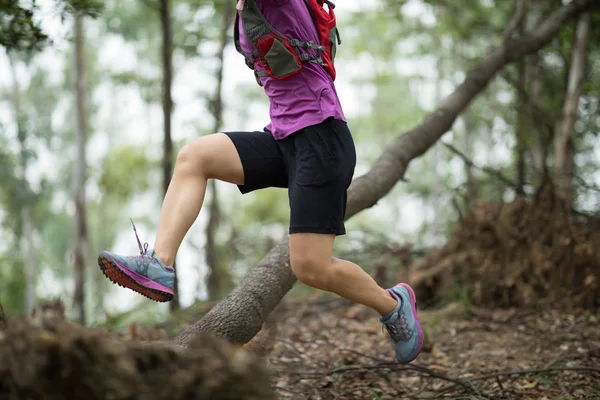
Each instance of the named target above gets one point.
<point>278,54</point>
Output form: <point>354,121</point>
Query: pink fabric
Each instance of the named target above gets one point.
<point>307,98</point>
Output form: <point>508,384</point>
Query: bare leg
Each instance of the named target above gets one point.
<point>311,260</point>
<point>212,156</point>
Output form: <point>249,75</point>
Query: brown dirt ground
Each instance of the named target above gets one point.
<point>328,349</point>
<point>324,348</point>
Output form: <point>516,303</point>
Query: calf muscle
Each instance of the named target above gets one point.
<point>311,261</point>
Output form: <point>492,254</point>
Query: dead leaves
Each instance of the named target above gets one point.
<point>342,353</point>
<point>516,254</point>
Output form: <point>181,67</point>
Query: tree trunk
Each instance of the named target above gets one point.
<point>542,135</point>
<point>218,280</point>
<point>240,316</point>
<point>521,130</point>
<point>30,259</point>
<point>81,239</point>
<point>472,192</point>
<point>28,249</point>
<point>540,126</point>
<point>167,103</point>
<point>565,129</point>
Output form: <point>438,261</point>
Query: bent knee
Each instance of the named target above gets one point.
<point>211,155</point>
<point>192,156</point>
<point>310,270</point>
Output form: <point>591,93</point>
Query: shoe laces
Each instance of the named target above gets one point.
<point>144,248</point>
<point>397,329</point>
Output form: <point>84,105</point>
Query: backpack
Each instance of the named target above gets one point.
<point>278,54</point>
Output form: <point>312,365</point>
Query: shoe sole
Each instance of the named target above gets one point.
<point>117,276</point>
<point>413,301</point>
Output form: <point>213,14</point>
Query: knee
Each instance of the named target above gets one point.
<point>191,158</point>
<point>311,270</point>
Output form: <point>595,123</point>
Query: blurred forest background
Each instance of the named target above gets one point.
<point>93,114</point>
<point>96,98</point>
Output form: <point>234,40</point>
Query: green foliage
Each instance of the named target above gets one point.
<point>56,232</point>
<point>90,8</point>
<point>266,208</point>
<point>41,97</point>
<point>124,172</point>
<point>149,87</point>
<point>12,283</point>
<point>400,63</point>
<point>15,191</point>
<point>20,28</point>
<point>133,20</point>
<point>138,21</point>
<point>467,20</point>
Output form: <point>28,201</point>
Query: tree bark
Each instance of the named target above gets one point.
<point>26,222</point>
<point>522,119</point>
<point>81,239</point>
<point>167,104</point>
<point>542,132</point>
<point>542,127</point>
<point>472,192</point>
<point>565,129</point>
<point>218,279</point>
<point>240,316</point>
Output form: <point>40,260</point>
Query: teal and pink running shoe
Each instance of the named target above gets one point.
<point>403,324</point>
<point>143,273</point>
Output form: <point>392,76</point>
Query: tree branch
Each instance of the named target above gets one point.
<point>496,174</point>
<point>515,20</point>
<point>540,114</point>
<point>390,167</point>
<point>391,365</point>
<point>240,316</point>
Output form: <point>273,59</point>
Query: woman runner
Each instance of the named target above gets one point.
<point>306,148</point>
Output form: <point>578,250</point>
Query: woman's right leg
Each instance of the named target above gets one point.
<point>215,156</point>
<point>208,157</point>
<point>151,273</point>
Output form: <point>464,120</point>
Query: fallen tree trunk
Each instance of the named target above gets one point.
<point>239,317</point>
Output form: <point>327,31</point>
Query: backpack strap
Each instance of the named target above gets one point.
<point>325,22</point>
<point>256,28</point>
<point>251,59</point>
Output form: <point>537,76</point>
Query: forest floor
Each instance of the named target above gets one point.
<point>329,349</point>
<point>315,347</point>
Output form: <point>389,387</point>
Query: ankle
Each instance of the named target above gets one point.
<point>164,258</point>
<point>389,304</point>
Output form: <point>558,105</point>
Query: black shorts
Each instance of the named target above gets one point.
<point>316,164</point>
